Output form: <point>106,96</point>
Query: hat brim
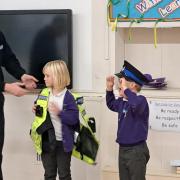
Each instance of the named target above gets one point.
<point>121,75</point>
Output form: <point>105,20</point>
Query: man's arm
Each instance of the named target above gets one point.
<point>9,60</point>
<point>12,65</point>
<point>2,86</point>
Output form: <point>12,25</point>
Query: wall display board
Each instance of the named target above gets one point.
<point>164,115</point>
<point>144,10</point>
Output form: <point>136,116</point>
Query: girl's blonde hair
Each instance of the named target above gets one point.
<point>60,73</point>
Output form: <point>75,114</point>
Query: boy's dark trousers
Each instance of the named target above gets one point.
<point>132,162</point>
<point>1,131</point>
<point>57,161</point>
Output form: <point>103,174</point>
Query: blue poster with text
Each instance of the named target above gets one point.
<point>148,10</point>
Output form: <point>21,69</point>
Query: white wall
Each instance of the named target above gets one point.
<point>82,70</point>
<point>98,52</point>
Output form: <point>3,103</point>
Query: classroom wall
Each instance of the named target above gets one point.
<point>97,53</point>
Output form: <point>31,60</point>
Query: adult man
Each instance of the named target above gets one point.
<point>9,61</point>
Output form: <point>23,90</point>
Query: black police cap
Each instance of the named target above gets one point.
<point>130,73</point>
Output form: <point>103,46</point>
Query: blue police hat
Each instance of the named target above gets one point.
<point>130,73</point>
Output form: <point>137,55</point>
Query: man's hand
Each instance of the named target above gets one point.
<point>109,83</point>
<point>15,89</point>
<point>29,81</point>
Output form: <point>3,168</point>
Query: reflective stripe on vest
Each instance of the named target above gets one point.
<point>42,100</point>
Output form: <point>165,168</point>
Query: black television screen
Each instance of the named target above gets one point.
<point>36,37</point>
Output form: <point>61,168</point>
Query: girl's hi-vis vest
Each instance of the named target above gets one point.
<point>77,152</point>
<point>42,100</point>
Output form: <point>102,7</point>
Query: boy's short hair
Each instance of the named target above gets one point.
<point>136,86</point>
<point>59,71</point>
<point>130,73</point>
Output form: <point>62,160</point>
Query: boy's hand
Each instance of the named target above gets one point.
<point>123,84</point>
<point>109,83</point>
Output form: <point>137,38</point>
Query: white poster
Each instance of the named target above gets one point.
<point>164,114</point>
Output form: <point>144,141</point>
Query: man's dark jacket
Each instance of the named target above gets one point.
<point>9,61</point>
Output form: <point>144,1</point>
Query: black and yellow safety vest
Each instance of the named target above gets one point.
<point>42,101</point>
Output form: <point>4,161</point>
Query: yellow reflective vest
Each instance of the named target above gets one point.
<point>42,100</point>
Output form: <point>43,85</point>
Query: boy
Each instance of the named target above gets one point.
<point>133,115</point>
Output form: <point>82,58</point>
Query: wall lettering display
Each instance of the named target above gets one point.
<point>164,115</point>
<point>145,10</point>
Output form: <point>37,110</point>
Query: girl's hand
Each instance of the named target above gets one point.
<point>54,109</point>
<point>109,83</point>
